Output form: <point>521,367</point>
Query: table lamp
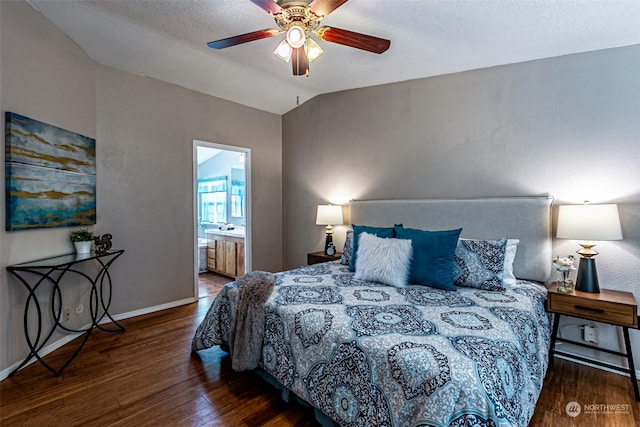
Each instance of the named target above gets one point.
<point>588,223</point>
<point>329,215</point>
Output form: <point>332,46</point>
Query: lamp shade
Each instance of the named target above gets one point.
<point>284,51</point>
<point>329,215</point>
<point>296,35</point>
<point>589,222</point>
<point>312,49</point>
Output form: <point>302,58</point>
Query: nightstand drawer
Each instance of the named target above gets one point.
<point>593,309</point>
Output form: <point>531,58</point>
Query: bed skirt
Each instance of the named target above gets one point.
<point>287,395</point>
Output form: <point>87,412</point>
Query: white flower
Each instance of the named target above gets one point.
<point>564,264</point>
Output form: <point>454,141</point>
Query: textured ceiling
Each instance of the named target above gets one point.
<point>167,40</point>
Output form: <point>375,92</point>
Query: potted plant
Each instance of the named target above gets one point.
<point>82,240</point>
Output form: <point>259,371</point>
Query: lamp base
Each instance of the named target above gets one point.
<point>587,280</point>
<point>327,241</point>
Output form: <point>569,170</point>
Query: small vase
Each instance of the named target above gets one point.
<point>82,247</point>
<point>565,284</point>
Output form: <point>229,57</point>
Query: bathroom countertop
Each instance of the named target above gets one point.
<point>236,232</point>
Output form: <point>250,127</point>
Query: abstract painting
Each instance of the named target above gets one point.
<point>50,175</point>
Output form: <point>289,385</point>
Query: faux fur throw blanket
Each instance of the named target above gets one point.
<point>247,326</point>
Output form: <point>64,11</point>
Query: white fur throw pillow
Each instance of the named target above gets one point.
<point>383,260</point>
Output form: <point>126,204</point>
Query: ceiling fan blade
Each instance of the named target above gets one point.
<point>243,38</point>
<point>269,6</point>
<point>300,62</point>
<point>353,39</point>
<point>325,7</point>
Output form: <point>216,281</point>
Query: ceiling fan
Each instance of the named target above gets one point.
<point>299,19</point>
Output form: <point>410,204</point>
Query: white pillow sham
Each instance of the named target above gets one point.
<point>508,278</point>
<point>383,260</point>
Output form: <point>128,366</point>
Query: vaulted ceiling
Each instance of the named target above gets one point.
<point>167,40</point>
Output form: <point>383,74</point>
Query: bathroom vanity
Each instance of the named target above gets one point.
<point>225,251</point>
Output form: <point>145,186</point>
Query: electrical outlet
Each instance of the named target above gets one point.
<point>589,334</point>
<point>66,314</point>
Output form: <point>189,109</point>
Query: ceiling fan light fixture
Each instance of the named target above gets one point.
<point>296,36</point>
<point>299,20</point>
<point>312,49</point>
<point>284,51</point>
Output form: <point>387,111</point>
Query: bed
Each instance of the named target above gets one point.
<point>364,353</point>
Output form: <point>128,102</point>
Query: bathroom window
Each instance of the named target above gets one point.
<point>237,199</point>
<point>212,198</point>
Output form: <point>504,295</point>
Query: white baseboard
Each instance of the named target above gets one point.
<point>594,364</point>
<point>151,309</point>
<point>68,338</point>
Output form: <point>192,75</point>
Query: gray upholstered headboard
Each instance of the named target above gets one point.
<point>524,218</point>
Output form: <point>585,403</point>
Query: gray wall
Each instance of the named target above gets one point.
<point>145,139</point>
<point>144,130</point>
<point>46,77</point>
<point>567,126</point>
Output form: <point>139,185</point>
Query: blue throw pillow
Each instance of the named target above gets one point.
<point>357,230</point>
<point>433,253</point>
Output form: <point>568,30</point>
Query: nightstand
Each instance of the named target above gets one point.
<point>318,257</point>
<point>613,307</point>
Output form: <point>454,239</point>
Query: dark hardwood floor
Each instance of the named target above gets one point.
<point>210,283</point>
<point>148,376</point>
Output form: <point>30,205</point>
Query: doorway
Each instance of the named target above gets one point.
<point>222,200</point>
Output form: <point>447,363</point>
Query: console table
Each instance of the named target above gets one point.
<point>36,274</point>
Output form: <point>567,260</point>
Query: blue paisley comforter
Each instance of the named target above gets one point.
<point>367,354</point>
